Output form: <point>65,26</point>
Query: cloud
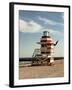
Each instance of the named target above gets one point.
<point>55,32</point>
<point>52,31</point>
<point>22,25</point>
<point>48,21</point>
<point>33,27</point>
<point>30,26</point>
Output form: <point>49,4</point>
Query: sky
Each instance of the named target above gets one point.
<point>31,27</point>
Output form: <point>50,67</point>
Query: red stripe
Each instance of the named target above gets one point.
<point>46,40</point>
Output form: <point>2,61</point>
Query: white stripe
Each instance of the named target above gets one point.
<point>47,50</point>
<point>44,42</point>
<point>52,46</point>
<point>46,38</point>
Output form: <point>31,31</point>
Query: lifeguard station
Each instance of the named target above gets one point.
<point>46,51</point>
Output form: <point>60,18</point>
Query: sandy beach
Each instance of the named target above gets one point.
<point>43,71</point>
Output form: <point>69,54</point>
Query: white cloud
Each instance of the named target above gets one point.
<point>30,26</point>
<point>52,31</point>
<point>23,25</point>
<point>55,32</point>
<point>48,21</point>
<point>33,27</point>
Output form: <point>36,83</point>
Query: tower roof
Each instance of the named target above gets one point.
<point>45,33</point>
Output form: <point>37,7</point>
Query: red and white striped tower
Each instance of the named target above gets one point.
<point>47,46</point>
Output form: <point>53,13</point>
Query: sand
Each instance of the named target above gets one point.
<point>43,71</point>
